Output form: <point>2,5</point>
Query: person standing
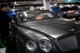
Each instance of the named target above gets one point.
<point>4,29</point>
<point>4,25</point>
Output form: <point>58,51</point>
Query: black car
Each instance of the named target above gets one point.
<point>40,31</point>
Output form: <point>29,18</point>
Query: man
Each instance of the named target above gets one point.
<point>39,17</point>
<point>4,29</point>
<point>4,25</point>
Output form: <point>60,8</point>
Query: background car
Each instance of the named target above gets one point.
<point>40,31</point>
<point>70,12</point>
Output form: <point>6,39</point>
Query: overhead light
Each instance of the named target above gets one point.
<point>69,0</point>
<point>15,3</point>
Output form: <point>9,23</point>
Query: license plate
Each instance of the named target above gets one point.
<point>2,50</point>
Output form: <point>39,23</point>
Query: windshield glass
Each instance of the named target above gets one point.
<point>35,16</point>
<point>47,15</point>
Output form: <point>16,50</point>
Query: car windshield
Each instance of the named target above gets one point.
<point>36,15</point>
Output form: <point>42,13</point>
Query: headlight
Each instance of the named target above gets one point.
<point>31,45</point>
<point>45,45</point>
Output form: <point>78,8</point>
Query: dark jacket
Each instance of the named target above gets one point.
<point>4,21</point>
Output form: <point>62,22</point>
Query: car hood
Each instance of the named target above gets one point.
<point>54,28</point>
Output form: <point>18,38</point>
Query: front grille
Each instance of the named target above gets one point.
<point>68,43</point>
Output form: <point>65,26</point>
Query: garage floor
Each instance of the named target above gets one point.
<point>2,49</point>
